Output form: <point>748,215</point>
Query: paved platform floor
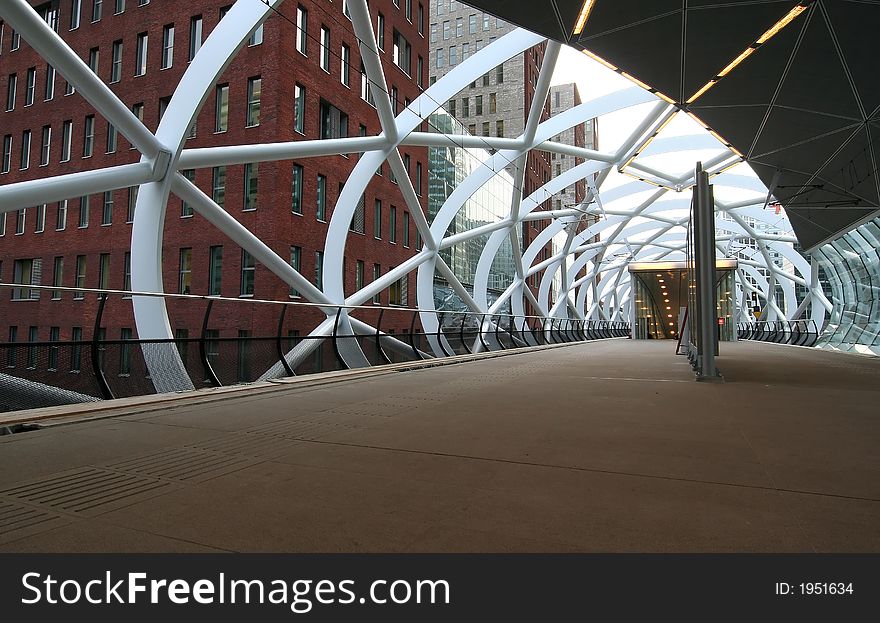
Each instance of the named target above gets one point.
<point>608,446</point>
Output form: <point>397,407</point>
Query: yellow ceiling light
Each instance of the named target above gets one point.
<point>739,59</point>
<point>768,34</point>
<point>785,21</point>
<point>629,77</point>
<point>583,16</point>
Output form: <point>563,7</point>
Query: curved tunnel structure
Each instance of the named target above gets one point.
<point>633,210</point>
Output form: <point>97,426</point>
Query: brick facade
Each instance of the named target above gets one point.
<point>280,67</point>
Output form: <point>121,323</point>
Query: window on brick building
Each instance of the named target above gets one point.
<point>45,145</point>
<point>167,46</point>
<point>66,138</point>
<point>104,271</point>
<point>11,87</point>
<point>184,271</point>
<point>80,277</point>
<point>132,203</point>
<point>345,66</point>
<point>140,60</point>
<point>377,219</point>
<point>116,62</point>
<point>186,210</point>
<point>112,138</point>
<point>253,101</point>
<point>297,189</point>
<point>25,150</point>
<point>256,37</point>
<point>75,13</point>
<point>377,272</point>
<point>221,108</point>
<point>380,31</point>
<point>195,35</point>
<point>107,208</point>
<point>30,86</point>
<point>295,264</point>
<point>251,181</point>
<point>302,30</point>
<point>50,83</point>
<point>41,219</point>
<point>325,49</point>
<point>218,187</point>
<point>83,221</point>
<point>248,271</point>
<point>61,216</point>
<point>215,270</point>
<point>7,154</point>
<point>58,277</point>
<point>321,212</point>
<point>89,136</point>
<point>319,269</point>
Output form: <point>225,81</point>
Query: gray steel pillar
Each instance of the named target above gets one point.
<point>704,265</point>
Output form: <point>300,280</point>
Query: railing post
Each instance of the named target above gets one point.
<point>280,346</point>
<point>412,342</point>
<point>461,334</point>
<point>203,349</point>
<point>440,337</point>
<point>480,334</point>
<point>336,338</point>
<point>497,327</point>
<point>104,386</point>
<point>379,348</point>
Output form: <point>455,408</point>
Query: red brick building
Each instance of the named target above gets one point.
<point>289,83</point>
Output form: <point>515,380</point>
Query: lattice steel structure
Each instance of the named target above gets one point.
<point>643,219</point>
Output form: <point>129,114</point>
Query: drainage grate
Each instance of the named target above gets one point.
<point>256,446</point>
<point>88,491</point>
<point>302,429</point>
<point>18,520</point>
<point>181,464</point>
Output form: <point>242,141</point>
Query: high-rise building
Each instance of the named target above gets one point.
<point>564,97</point>
<point>299,77</point>
<point>497,104</point>
<point>448,167</point>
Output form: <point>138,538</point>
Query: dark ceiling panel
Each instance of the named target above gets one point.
<point>740,123</point>
<point>644,38</point>
<point>855,25</point>
<point>613,15</point>
<point>813,227</point>
<point>807,162</point>
<point>755,80</point>
<point>787,128</point>
<point>650,51</point>
<point>852,169</point>
<point>816,79</point>
<point>717,47</point>
<point>544,21</point>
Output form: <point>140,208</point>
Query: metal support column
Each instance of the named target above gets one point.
<point>704,266</point>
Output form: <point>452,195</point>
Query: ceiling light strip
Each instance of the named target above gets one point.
<point>768,34</point>
<point>629,77</point>
<point>583,16</point>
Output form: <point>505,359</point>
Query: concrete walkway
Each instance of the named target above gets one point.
<point>607,446</point>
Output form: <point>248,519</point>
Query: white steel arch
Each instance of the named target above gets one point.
<point>644,218</point>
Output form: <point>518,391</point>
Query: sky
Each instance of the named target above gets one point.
<point>594,79</point>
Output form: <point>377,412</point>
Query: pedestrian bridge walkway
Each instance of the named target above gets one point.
<point>604,446</point>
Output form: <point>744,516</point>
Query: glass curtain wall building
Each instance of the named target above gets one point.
<point>447,168</point>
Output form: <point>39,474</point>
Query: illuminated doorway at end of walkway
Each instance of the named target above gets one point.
<point>660,297</point>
